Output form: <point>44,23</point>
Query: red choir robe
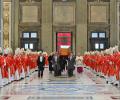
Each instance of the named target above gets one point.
<point>106,65</point>
<point>10,64</point>
<point>117,61</point>
<point>46,60</point>
<point>23,63</point>
<point>31,61</point>
<point>18,64</point>
<point>26,63</point>
<point>100,61</point>
<point>4,69</point>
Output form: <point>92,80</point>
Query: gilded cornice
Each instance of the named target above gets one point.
<point>7,0</point>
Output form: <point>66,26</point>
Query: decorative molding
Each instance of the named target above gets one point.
<point>29,19</point>
<point>26,29</point>
<point>97,23</point>
<point>98,13</point>
<point>64,13</point>
<point>63,0</point>
<point>6,0</point>
<point>30,1</point>
<point>64,29</point>
<point>98,1</point>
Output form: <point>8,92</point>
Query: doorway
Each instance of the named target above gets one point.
<point>98,41</point>
<point>29,40</point>
<point>64,40</point>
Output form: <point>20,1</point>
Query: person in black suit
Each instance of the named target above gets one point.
<point>71,63</point>
<point>56,64</point>
<point>63,63</point>
<point>50,62</point>
<point>40,63</point>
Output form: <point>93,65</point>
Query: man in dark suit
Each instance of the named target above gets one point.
<point>56,65</point>
<point>40,63</point>
<point>50,62</point>
<point>71,64</point>
<point>63,63</point>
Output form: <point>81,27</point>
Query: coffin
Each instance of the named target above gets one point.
<point>64,51</point>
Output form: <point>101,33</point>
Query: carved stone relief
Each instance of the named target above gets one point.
<point>6,24</point>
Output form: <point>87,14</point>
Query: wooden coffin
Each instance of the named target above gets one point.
<point>64,51</point>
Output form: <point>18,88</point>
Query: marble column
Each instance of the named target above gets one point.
<point>46,34</point>
<point>12,24</point>
<point>118,23</point>
<point>1,23</point>
<point>16,23</point>
<point>81,26</point>
<point>113,23</point>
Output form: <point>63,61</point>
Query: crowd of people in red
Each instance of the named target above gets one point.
<point>14,67</point>
<point>105,64</point>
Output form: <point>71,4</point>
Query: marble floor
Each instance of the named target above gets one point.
<point>85,86</point>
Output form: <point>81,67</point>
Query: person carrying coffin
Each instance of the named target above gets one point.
<point>40,63</point>
<point>56,65</point>
<point>63,62</point>
<point>71,63</point>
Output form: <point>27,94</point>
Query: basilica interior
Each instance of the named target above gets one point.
<point>84,24</point>
<point>82,37</point>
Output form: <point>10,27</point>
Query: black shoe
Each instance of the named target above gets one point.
<point>107,82</point>
<point>112,83</point>
<point>97,75</point>
<point>116,85</point>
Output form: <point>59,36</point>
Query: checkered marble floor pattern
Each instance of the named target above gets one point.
<point>84,86</point>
